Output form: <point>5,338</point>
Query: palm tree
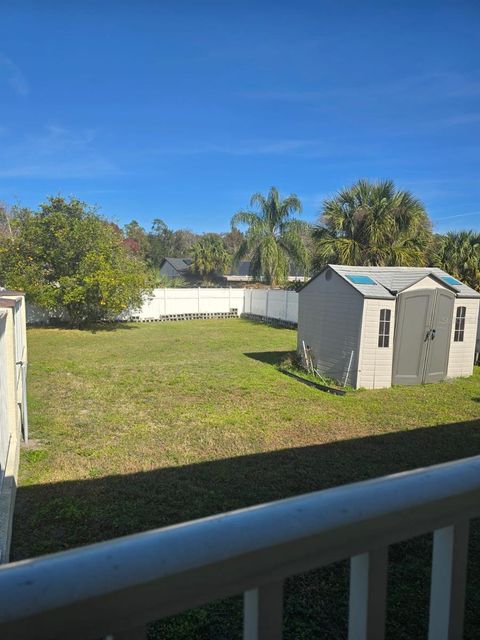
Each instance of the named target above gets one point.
<point>459,255</point>
<point>373,223</point>
<point>273,238</point>
<point>209,256</point>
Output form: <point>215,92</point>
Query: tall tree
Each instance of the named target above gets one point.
<point>136,239</point>
<point>273,237</point>
<point>66,257</point>
<point>373,223</point>
<point>210,256</point>
<point>160,240</point>
<point>182,242</point>
<point>459,255</point>
<point>233,240</point>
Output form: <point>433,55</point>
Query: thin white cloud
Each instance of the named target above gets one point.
<point>459,215</point>
<point>55,152</point>
<point>13,75</point>
<point>61,170</point>
<point>304,148</point>
<point>459,120</point>
<point>241,147</point>
<point>415,88</point>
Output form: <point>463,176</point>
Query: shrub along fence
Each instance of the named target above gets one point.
<point>13,406</point>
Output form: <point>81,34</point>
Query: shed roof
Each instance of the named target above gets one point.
<point>389,281</point>
<point>10,292</point>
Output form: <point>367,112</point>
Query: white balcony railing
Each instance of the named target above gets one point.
<point>113,589</point>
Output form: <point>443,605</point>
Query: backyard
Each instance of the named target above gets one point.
<point>144,425</point>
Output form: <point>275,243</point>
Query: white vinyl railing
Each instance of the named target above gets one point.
<point>114,589</point>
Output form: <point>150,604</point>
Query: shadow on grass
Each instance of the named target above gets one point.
<point>271,357</point>
<point>90,328</point>
<point>270,324</point>
<point>56,516</point>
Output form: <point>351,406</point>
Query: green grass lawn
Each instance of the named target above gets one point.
<point>152,424</point>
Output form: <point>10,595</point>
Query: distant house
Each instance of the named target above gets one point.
<point>181,268</point>
<point>176,267</point>
<point>241,273</point>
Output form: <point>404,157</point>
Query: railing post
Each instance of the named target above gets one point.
<point>449,571</point>
<point>133,633</point>
<point>368,591</point>
<point>136,633</point>
<point>263,612</point>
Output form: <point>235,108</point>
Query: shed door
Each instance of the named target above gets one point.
<point>422,336</point>
<point>411,340</point>
<point>439,344</point>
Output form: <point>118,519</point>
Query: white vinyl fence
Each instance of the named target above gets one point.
<point>272,304</point>
<point>173,302</point>
<point>189,303</point>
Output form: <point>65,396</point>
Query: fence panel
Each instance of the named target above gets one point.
<point>274,304</point>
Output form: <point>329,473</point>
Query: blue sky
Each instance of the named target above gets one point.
<point>181,110</point>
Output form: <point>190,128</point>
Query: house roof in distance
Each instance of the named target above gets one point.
<point>387,282</point>
<point>180,264</point>
<point>243,269</point>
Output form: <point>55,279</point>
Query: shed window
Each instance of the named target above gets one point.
<point>459,324</point>
<point>360,279</point>
<point>384,328</point>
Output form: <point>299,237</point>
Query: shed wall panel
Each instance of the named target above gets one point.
<point>375,365</point>
<point>329,321</point>
<point>460,362</point>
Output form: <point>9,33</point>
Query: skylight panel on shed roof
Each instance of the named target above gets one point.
<point>356,279</point>
<point>450,280</point>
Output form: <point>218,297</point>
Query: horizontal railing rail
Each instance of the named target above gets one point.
<point>113,589</point>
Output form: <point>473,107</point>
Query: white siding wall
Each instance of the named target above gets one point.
<point>460,362</point>
<point>329,321</point>
<point>9,426</point>
<point>477,348</point>
<point>5,426</point>
<point>375,365</point>
<point>427,283</point>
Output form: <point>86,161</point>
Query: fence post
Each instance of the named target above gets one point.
<point>266,304</point>
<point>286,305</point>
<point>198,299</point>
